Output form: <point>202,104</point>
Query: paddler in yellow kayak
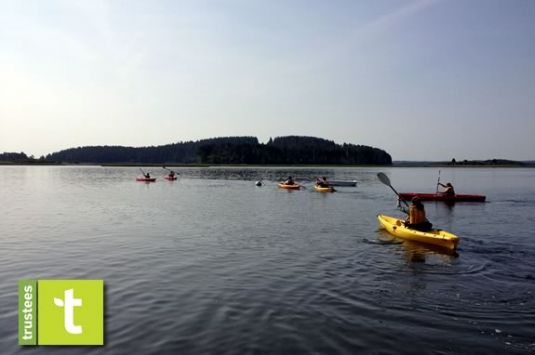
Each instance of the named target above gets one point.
<point>322,182</point>
<point>416,218</point>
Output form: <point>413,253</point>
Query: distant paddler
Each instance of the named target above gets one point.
<point>171,175</point>
<point>322,185</point>
<point>146,177</point>
<point>289,183</point>
<point>322,182</point>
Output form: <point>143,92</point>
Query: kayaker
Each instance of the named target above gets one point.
<point>289,181</point>
<point>147,176</point>
<point>448,189</point>
<point>416,218</point>
<point>171,174</point>
<point>322,182</point>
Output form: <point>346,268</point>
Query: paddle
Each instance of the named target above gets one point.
<point>438,181</point>
<point>385,180</point>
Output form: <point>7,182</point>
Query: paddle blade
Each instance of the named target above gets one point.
<point>384,179</point>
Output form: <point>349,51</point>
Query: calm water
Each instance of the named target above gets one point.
<point>211,264</point>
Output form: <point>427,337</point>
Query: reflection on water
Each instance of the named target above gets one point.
<point>212,264</point>
<point>418,252</point>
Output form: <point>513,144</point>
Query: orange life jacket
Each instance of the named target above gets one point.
<point>416,216</point>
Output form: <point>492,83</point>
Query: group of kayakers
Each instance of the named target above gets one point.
<point>416,226</point>
<point>171,175</point>
<point>416,217</point>
<point>321,182</point>
<point>321,185</point>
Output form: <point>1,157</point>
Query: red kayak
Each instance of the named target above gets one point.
<point>145,179</point>
<point>407,196</point>
<point>170,178</point>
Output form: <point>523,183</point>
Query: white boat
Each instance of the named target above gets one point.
<point>342,183</point>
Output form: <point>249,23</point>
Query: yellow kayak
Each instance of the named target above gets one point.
<point>436,237</point>
<point>289,187</point>
<point>323,189</point>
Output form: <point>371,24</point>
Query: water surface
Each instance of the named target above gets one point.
<point>212,264</point>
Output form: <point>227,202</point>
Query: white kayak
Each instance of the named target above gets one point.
<point>342,183</point>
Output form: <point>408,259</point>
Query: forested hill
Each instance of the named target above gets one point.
<point>230,150</point>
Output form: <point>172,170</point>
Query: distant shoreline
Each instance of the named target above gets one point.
<point>196,165</point>
<point>475,165</point>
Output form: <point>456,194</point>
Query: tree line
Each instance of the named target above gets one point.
<point>20,158</point>
<point>293,150</point>
<point>228,150</point>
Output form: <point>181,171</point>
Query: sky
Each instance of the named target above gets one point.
<point>421,79</point>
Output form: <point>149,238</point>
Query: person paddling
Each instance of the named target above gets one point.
<point>416,218</point>
<point>448,189</point>
<point>322,182</point>
<point>289,181</point>
<point>147,176</point>
<point>171,175</point>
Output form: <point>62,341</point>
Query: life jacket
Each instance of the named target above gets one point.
<point>416,216</point>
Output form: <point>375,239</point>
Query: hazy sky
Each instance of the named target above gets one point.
<point>422,79</point>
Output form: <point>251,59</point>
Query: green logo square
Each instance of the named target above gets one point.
<point>70,312</point>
